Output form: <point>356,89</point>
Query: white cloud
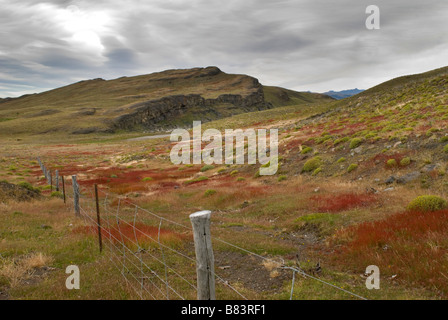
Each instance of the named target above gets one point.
<point>300,44</point>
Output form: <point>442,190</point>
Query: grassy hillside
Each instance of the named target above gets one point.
<point>95,103</point>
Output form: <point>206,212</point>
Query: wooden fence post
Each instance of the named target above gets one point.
<point>205,264</point>
<point>98,218</point>
<point>76,195</point>
<point>56,182</point>
<point>63,187</point>
<point>51,181</point>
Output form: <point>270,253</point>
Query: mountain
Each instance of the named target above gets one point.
<point>338,95</point>
<point>158,101</point>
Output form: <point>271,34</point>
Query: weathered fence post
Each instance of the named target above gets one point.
<point>98,218</point>
<point>51,181</point>
<point>76,195</point>
<point>63,187</point>
<point>56,182</point>
<point>205,265</point>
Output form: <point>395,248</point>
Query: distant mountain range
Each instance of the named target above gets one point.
<point>338,95</point>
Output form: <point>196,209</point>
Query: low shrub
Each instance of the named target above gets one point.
<point>56,194</point>
<point>427,203</point>
<point>27,185</point>
<point>281,178</point>
<point>355,142</point>
<point>352,167</point>
<point>306,150</point>
<point>312,164</point>
<point>207,167</point>
<point>405,162</point>
<point>391,163</point>
<point>209,192</point>
<point>317,171</point>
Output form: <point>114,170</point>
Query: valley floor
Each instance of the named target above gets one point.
<point>263,228</point>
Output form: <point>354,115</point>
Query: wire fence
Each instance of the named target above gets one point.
<point>155,255</point>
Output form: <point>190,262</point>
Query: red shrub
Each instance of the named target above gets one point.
<point>412,245</point>
<point>342,202</point>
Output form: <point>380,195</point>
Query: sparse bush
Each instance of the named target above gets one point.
<point>391,163</point>
<point>405,162</point>
<point>113,176</point>
<point>427,203</point>
<point>222,170</point>
<point>207,167</point>
<point>341,140</point>
<point>306,150</point>
<point>56,194</point>
<point>444,139</point>
<point>281,178</point>
<point>317,171</point>
<point>209,192</point>
<point>352,167</point>
<point>234,172</point>
<point>355,142</point>
<point>431,131</point>
<point>27,185</point>
<point>240,179</point>
<point>341,160</point>
<point>198,179</point>
<point>445,149</point>
<point>312,164</point>
<point>147,179</point>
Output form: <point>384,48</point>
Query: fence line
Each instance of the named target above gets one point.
<point>124,263</point>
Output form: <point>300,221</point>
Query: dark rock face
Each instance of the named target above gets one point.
<point>149,113</point>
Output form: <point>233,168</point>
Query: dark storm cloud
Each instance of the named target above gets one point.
<point>300,44</point>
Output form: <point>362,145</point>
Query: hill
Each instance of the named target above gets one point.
<point>361,136</point>
<point>157,101</point>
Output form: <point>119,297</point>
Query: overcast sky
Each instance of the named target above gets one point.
<point>298,44</point>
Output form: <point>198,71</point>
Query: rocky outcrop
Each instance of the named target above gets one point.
<point>150,114</point>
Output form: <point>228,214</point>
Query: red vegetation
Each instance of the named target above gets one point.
<point>131,235</point>
<point>412,245</point>
<point>342,202</point>
<point>383,158</point>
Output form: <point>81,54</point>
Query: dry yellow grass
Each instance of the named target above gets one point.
<point>17,270</point>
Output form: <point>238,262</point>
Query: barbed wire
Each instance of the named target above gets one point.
<point>162,247</point>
